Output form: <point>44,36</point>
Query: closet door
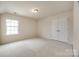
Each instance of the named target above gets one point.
<point>53,29</point>
<point>62,29</point>
<point>59,29</point>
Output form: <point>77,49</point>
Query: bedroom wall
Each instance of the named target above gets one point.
<point>0,29</point>
<point>76,29</point>
<point>27,28</point>
<point>44,26</point>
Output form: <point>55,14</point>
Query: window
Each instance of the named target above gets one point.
<point>11,27</point>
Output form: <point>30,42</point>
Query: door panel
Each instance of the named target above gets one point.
<point>53,27</point>
<point>63,30</point>
<point>59,29</point>
<point>62,27</point>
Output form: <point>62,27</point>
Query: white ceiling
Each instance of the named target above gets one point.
<point>46,8</point>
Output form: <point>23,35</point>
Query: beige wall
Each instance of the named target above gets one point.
<point>0,29</point>
<point>27,28</point>
<point>44,25</point>
<point>70,27</point>
<point>76,29</point>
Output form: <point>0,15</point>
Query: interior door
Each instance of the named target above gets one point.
<point>62,29</point>
<point>59,30</point>
<point>53,26</point>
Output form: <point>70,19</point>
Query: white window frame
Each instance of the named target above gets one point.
<point>12,27</point>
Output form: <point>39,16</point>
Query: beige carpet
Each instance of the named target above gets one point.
<point>36,48</point>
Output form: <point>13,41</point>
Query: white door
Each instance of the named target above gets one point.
<point>53,26</point>
<point>59,30</point>
<point>62,29</point>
